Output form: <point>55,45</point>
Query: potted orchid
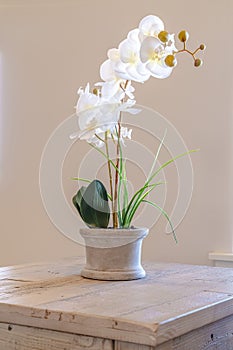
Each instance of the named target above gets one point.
<point>113,245</point>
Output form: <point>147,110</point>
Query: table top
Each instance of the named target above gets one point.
<point>172,300</point>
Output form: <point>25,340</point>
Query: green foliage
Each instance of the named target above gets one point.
<point>92,201</point>
<point>77,199</point>
<point>92,204</point>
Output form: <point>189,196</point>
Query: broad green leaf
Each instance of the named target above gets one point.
<point>77,199</point>
<point>94,206</point>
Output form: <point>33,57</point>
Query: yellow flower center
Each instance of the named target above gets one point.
<point>156,56</point>
<point>133,58</point>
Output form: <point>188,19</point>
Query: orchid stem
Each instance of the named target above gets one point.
<point>109,167</point>
<point>115,215</point>
<point>115,206</point>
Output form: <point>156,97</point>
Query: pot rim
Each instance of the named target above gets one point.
<point>114,232</point>
<point>106,238</point>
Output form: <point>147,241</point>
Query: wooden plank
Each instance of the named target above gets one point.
<point>215,336</point>
<point>121,345</point>
<point>92,325</point>
<point>42,270</point>
<point>13,337</point>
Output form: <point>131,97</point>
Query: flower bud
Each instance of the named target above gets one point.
<point>198,62</point>
<point>95,91</point>
<point>183,36</point>
<point>202,47</point>
<point>170,61</point>
<point>163,36</point>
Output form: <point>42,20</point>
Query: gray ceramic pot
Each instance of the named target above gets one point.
<point>113,254</point>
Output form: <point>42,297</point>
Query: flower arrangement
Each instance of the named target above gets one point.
<point>148,51</point>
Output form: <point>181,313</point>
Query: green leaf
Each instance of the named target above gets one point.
<point>94,206</point>
<point>138,200</point>
<point>165,215</point>
<point>81,179</point>
<point>88,181</point>
<point>134,200</point>
<point>169,162</point>
<point>156,156</point>
<point>77,199</point>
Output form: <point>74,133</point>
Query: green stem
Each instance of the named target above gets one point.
<point>115,203</point>
<point>109,167</point>
<point>115,200</point>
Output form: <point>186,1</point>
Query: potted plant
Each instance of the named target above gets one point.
<point>113,244</point>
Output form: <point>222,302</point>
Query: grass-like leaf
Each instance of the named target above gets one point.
<point>156,156</point>
<point>135,202</point>
<point>169,162</point>
<point>165,215</point>
<point>106,157</point>
<point>81,179</point>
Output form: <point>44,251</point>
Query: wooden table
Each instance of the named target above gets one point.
<point>176,307</point>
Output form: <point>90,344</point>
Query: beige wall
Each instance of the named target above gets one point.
<point>47,50</point>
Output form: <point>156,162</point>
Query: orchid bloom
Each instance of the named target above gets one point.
<point>86,99</point>
<point>99,114</point>
<point>153,54</point>
<point>153,51</point>
<point>129,51</point>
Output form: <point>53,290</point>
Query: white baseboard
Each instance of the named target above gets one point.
<point>221,259</point>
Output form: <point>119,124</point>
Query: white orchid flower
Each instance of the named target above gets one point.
<point>129,51</point>
<point>109,91</point>
<point>125,134</point>
<point>127,107</point>
<point>107,69</point>
<point>153,54</point>
<point>96,113</point>
<point>99,141</point>
<point>124,63</point>
<point>103,118</point>
<point>107,72</point>
<point>150,26</point>
<point>97,120</point>
<point>111,88</point>
<point>129,89</point>
<point>86,100</point>
<point>117,91</point>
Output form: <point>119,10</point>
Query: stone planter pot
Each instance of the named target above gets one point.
<point>113,254</point>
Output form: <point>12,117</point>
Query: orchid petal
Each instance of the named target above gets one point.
<point>133,35</point>
<point>149,45</point>
<point>159,71</point>
<point>113,54</point>
<point>129,51</point>
<point>107,71</point>
<point>151,25</point>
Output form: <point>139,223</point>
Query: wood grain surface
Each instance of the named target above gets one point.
<point>172,301</point>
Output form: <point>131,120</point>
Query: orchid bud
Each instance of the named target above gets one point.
<point>170,61</point>
<point>163,36</point>
<point>202,47</point>
<point>198,62</point>
<point>183,36</point>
